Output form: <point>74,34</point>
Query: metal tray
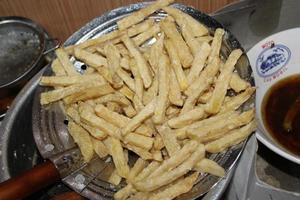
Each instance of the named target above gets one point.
<point>84,179</point>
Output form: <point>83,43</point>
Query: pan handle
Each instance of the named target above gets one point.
<point>69,196</point>
<point>56,42</point>
<point>29,182</point>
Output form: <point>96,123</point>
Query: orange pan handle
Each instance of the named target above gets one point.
<point>29,182</point>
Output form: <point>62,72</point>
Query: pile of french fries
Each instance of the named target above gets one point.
<point>157,89</point>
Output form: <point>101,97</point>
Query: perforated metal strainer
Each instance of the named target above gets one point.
<point>54,142</point>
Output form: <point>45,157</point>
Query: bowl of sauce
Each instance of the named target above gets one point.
<point>281,113</point>
<point>276,68</point>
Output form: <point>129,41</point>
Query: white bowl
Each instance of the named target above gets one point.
<point>287,45</point>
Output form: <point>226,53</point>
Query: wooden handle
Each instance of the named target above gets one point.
<point>29,182</point>
<point>69,196</point>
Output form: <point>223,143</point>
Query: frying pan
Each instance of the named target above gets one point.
<point>64,160</point>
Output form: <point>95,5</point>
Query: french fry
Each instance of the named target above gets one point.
<point>176,159</point>
<point>173,190</point>
<point>69,80</point>
<point>140,196</point>
<point>124,62</point>
<point>139,140</point>
<point>82,139</point>
<point>57,68</point>
<point>119,120</point>
<point>135,122</point>
<point>129,111</point>
<point>93,120</point>
<point>204,98</point>
<point>65,61</point>
<point>163,90</point>
<point>169,139</point>
<point>114,178</point>
<point>137,103</point>
<point>237,83</point>
<point>89,93</point>
<point>174,91</point>
<point>206,38</point>
<point>216,44</point>
<point>156,155</point>
<point>236,101</point>
<point>191,41</point>
<point>126,78</point>
<point>215,102</point>
<point>140,61</point>
<point>220,128</point>
<point>122,49</point>
<point>155,52</point>
<point>141,38</point>
<point>99,148</point>
<point>158,142</point>
<point>73,113</point>
<point>115,97</point>
<point>209,166</point>
<point>113,62</point>
<point>138,88</point>
<point>139,15</point>
<point>232,138</point>
<point>91,42</point>
<point>105,73</point>
<point>206,76</point>
<point>117,153</point>
<point>140,28</point>
<point>113,106</point>
<point>141,152</point>
<point>187,118</point>
<point>181,133</point>
<point>110,116</point>
<point>129,189</point>
<point>132,31</point>
<point>153,183</point>
<point>147,171</point>
<point>138,166</point>
<point>184,54</point>
<point>57,94</point>
<point>95,132</point>
<point>125,192</point>
<point>176,65</point>
<point>197,28</point>
<point>173,110</point>
<point>90,59</point>
<point>127,92</point>
<point>200,85</point>
<point>151,93</point>
<point>88,70</point>
<point>199,62</point>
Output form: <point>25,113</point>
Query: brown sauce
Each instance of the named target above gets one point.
<point>278,101</point>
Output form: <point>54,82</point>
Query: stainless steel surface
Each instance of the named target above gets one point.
<point>50,130</point>
<point>263,18</point>
<point>22,43</point>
